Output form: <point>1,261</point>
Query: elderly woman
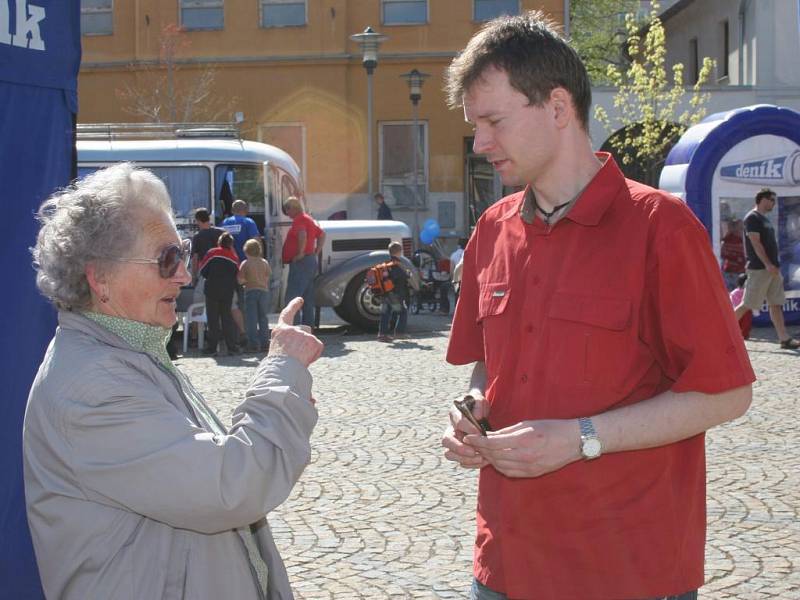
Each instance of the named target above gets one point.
<point>134,487</point>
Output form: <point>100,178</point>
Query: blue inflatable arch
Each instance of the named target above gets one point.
<point>703,146</point>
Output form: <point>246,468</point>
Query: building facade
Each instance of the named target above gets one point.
<point>295,78</point>
<point>755,44</point>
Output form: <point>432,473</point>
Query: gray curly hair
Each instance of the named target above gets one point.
<point>95,220</point>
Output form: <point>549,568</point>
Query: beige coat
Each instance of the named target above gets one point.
<point>129,494</point>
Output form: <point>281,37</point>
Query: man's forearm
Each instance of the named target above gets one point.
<point>477,381</point>
<point>667,418</point>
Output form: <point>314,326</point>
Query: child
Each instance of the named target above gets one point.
<point>254,275</point>
<point>396,301</point>
<point>746,322</point>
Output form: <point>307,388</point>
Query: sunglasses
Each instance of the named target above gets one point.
<point>169,260</point>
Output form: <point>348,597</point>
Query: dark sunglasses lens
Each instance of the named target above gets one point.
<point>171,258</point>
<point>169,261</point>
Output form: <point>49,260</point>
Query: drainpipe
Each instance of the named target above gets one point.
<point>743,6</point>
<point>566,19</point>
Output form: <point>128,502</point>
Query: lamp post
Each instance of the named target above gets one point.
<point>415,80</point>
<point>369,41</point>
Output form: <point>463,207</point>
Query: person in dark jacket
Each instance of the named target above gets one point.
<point>384,212</point>
<point>220,267</point>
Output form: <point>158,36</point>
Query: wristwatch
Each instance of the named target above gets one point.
<point>590,443</point>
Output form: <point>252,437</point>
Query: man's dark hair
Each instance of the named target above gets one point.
<point>462,242</point>
<point>764,193</point>
<point>533,55</point>
<point>225,240</point>
<point>202,215</point>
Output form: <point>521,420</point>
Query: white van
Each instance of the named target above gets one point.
<point>210,166</point>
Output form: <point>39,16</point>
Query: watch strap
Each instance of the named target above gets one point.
<point>587,427</point>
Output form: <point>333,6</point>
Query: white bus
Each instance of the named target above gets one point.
<point>208,165</point>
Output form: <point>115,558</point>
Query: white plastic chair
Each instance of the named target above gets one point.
<point>196,313</point>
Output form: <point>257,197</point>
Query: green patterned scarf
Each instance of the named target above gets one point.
<point>151,339</point>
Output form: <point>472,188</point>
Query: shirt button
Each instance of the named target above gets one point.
<point>524,379</point>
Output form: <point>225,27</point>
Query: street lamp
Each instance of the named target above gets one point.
<point>369,41</point>
<point>415,80</point>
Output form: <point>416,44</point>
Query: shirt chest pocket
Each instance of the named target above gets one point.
<point>494,319</point>
<point>493,300</point>
<point>591,341</point>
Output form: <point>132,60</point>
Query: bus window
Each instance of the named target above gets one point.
<point>84,171</point>
<point>188,189</point>
<point>243,182</point>
<point>288,188</point>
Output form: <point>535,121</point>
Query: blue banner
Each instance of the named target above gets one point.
<point>39,61</point>
<point>40,42</point>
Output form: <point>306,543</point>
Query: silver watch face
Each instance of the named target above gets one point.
<point>591,447</point>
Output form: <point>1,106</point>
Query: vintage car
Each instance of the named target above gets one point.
<point>209,165</point>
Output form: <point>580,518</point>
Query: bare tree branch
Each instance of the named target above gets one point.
<point>169,90</point>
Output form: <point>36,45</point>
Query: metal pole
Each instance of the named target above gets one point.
<point>416,177</point>
<point>369,137</point>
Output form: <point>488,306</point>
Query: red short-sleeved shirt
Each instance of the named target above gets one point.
<point>303,221</point>
<point>619,301</point>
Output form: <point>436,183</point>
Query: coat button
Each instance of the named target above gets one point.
<point>524,379</point>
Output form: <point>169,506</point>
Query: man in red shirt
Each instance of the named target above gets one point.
<point>303,244</point>
<point>603,343</point>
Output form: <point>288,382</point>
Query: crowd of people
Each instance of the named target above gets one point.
<point>585,411</point>
<point>232,277</point>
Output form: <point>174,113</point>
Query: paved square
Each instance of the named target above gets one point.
<point>380,514</point>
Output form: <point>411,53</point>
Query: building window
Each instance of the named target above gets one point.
<point>97,17</point>
<point>694,62</point>
<point>405,12</point>
<point>397,163</point>
<point>725,49</point>
<point>483,10</point>
<point>202,14</point>
<point>283,13</point>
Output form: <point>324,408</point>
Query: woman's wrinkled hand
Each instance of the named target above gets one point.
<point>296,341</point>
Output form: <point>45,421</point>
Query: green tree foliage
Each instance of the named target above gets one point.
<point>597,32</point>
<point>649,99</point>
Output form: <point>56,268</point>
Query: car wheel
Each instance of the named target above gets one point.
<point>361,307</point>
<point>341,312</point>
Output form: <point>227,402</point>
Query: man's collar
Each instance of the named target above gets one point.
<point>593,201</point>
<point>599,194</point>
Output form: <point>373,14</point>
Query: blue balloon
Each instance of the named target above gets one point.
<point>426,236</point>
<point>430,223</point>
<point>433,227</point>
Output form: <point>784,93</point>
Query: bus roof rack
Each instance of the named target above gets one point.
<point>156,131</point>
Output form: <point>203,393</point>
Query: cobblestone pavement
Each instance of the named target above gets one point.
<point>380,514</point>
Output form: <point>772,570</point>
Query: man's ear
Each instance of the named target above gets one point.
<point>562,107</point>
